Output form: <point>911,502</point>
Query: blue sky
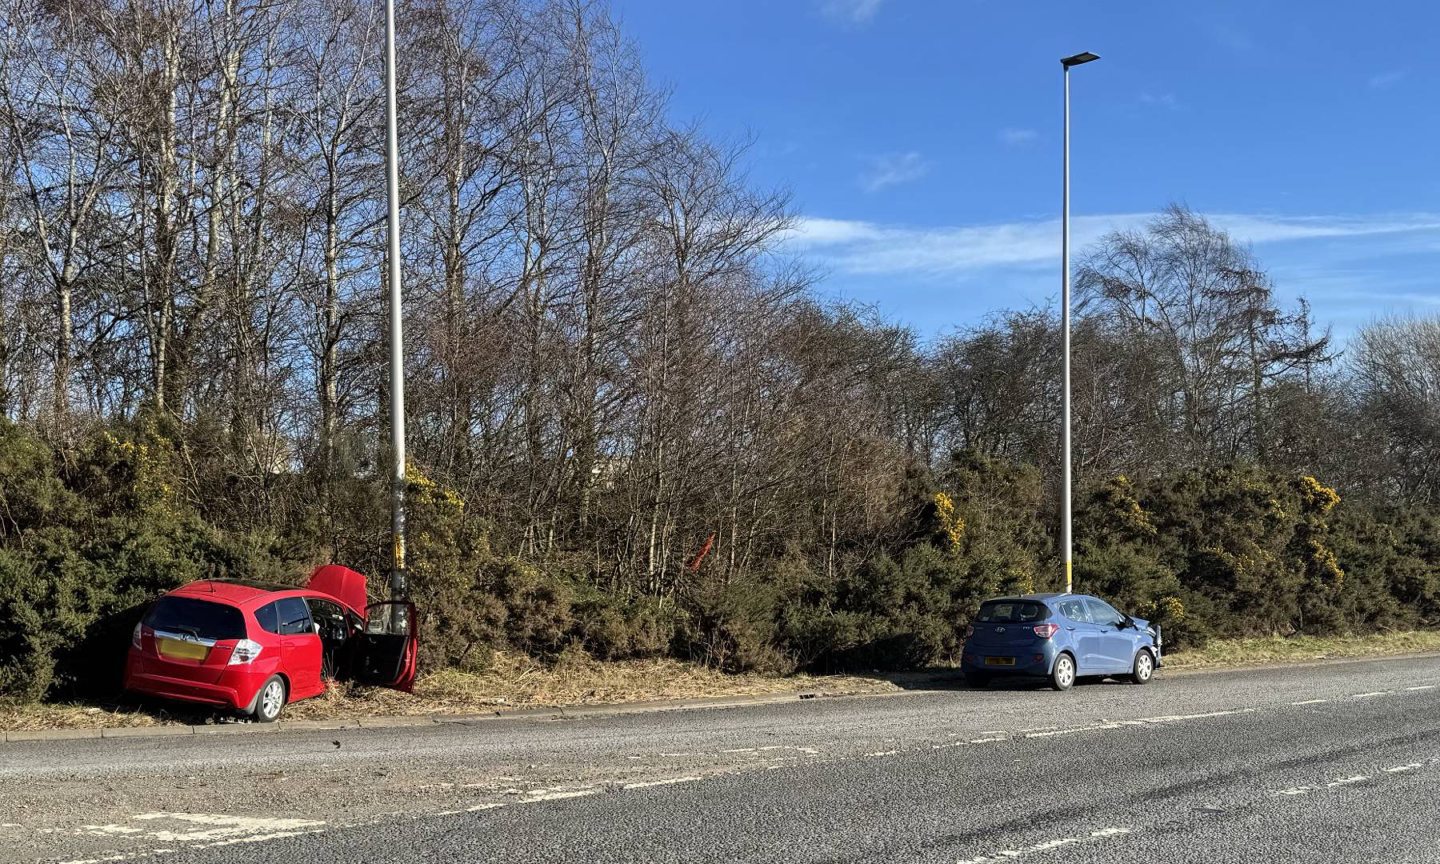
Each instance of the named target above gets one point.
<point>920,139</point>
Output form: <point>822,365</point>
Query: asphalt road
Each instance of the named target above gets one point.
<point>1328,763</point>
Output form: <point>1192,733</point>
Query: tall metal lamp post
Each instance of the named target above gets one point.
<point>1065,544</point>
<point>398,587</point>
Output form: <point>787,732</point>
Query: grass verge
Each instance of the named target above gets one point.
<point>508,681</point>
<point>517,681</point>
<point>1299,649</point>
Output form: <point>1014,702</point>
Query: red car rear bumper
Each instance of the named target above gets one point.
<point>234,690</point>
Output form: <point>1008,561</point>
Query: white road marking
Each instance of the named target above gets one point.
<point>559,795</point>
<point>1053,732</point>
<point>1044,846</point>
<point>1371,693</point>
<point>1344,781</point>
<point>1143,721</point>
<point>649,783</point>
<point>809,751</point>
<point>1400,769</point>
<point>882,753</point>
<point>257,838</point>
<point>1310,702</point>
<point>221,826</point>
<point>1422,687</point>
<point>1174,717</point>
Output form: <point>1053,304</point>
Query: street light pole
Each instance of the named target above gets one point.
<point>1065,544</point>
<point>397,340</point>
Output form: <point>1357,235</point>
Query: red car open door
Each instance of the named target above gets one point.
<point>389,645</point>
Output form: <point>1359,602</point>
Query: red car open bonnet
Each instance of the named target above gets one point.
<point>342,583</point>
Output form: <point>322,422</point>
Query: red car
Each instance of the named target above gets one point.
<point>253,647</point>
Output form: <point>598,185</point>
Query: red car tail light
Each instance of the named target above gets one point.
<point>246,650</point>
<point>1045,631</point>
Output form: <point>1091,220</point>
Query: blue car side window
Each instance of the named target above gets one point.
<point>1075,611</point>
<point>1105,614</point>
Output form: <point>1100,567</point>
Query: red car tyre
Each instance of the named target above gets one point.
<point>270,701</point>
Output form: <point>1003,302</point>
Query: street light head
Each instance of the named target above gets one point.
<point>1077,59</point>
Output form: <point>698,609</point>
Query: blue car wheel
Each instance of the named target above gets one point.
<point>1144,667</point>
<point>1062,675</point>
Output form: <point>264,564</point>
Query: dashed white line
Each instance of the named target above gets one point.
<point>646,784</point>
<point>1053,732</point>
<point>1371,693</point>
<point>808,751</point>
<point>1310,702</point>
<point>1044,846</point>
<point>1401,769</point>
<point>257,838</point>
<point>1343,781</point>
<point>1421,687</point>
<point>558,795</point>
<point>1142,721</point>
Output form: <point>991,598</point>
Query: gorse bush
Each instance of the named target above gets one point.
<point>90,533</point>
<point>86,538</point>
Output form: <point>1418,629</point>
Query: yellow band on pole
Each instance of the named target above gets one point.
<point>1067,577</point>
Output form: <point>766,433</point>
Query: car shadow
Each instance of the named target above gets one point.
<point>945,678</point>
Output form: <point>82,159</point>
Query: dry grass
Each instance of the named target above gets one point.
<point>509,681</point>
<point>17,716</point>
<point>1299,649</point>
<point>517,681</point>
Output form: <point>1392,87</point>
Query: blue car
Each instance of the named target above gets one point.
<point>1059,637</point>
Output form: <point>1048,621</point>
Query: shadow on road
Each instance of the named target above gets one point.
<point>944,679</point>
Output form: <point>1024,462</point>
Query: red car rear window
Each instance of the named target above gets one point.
<point>199,618</point>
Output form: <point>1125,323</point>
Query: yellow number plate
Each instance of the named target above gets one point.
<point>999,661</point>
<point>177,649</point>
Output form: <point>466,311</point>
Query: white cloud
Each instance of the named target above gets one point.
<point>866,248</point>
<point>853,12</point>
<point>892,170</point>
<point>1017,137</point>
<point>1159,100</point>
<point>1386,80</point>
